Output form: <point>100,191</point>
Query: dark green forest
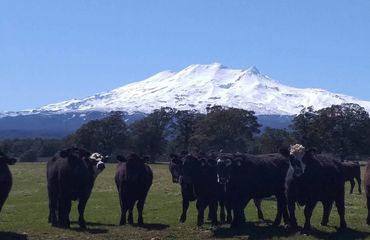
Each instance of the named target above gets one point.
<point>342,130</point>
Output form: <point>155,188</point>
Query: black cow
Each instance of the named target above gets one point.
<point>71,174</point>
<point>367,190</point>
<point>223,161</point>
<point>311,179</point>
<point>187,187</point>
<point>352,170</point>
<point>198,180</point>
<point>133,180</point>
<point>255,177</point>
<point>5,177</point>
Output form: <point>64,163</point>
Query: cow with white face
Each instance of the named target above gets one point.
<point>99,159</point>
<point>297,151</point>
<point>313,178</point>
<point>71,174</point>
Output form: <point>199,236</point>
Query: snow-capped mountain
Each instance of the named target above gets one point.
<point>197,86</point>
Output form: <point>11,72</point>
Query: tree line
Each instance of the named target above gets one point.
<point>343,130</point>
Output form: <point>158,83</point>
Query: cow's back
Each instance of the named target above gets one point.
<point>71,177</point>
<point>134,181</point>
<point>324,178</point>
<point>264,175</point>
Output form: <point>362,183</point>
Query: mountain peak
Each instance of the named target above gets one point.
<point>253,70</point>
<point>200,85</point>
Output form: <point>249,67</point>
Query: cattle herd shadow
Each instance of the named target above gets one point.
<point>12,236</point>
<point>255,231</point>
<point>90,230</point>
<point>96,224</point>
<point>340,234</point>
<point>153,226</point>
<point>94,230</point>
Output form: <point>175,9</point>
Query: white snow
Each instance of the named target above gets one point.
<point>197,86</point>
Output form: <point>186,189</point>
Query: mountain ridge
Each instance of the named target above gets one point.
<point>198,86</point>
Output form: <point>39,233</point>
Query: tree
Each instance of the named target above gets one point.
<point>340,129</point>
<point>305,129</point>
<point>183,126</point>
<point>104,136</point>
<point>224,128</point>
<point>148,135</point>
<point>272,139</point>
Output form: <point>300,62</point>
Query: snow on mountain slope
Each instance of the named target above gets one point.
<point>197,86</point>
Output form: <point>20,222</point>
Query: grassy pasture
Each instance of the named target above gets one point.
<point>24,215</point>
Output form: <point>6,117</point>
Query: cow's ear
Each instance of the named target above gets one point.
<point>121,158</point>
<point>176,160</point>
<point>106,158</point>
<point>12,161</point>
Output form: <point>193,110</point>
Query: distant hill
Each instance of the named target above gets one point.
<point>194,87</point>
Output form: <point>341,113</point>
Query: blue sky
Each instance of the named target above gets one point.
<point>52,51</point>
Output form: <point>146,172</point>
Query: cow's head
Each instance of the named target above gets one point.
<point>298,151</point>
<point>224,165</point>
<point>7,160</point>
<point>98,162</point>
<point>134,166</point>
<point>175,167</point>
<point>308,156</point>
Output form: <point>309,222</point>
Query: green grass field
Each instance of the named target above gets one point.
<point>24,215</point>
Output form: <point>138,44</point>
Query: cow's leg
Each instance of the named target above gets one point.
<point>140,208</point>
<point>130,218</point>
<point>291,210</point>
<point>185,206</point>
<point>124,208</point>
<point>238,211</point>
<point>81,212</point>
<point>310,205</point>
<point>222,210</point>
<point>339,203</point>
<point>64,209</point>
<point>229,217</point>
<point>243,206</point>
<point>281,207</point>
<point>3,198</point>
<point>257,203</point>
<point>368,210</point>
<point>327,209</point>
<point>358,178</point>
<point>352,182</point>
<point>213,210</point>
<point>53,204</point>
<point>53,211</point>
<point>201,205</point>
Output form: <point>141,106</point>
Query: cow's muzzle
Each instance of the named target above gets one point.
<point>100,166</point>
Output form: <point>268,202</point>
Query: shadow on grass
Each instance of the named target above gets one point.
<point>339,234</point>
<point>96,224</point>
<point>254,231</point>
<point>152,226</point>
<point>269,231</point>
<point>12,236</point>
<point>90,230</point>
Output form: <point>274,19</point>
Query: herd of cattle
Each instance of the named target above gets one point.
<point>217,180</point>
